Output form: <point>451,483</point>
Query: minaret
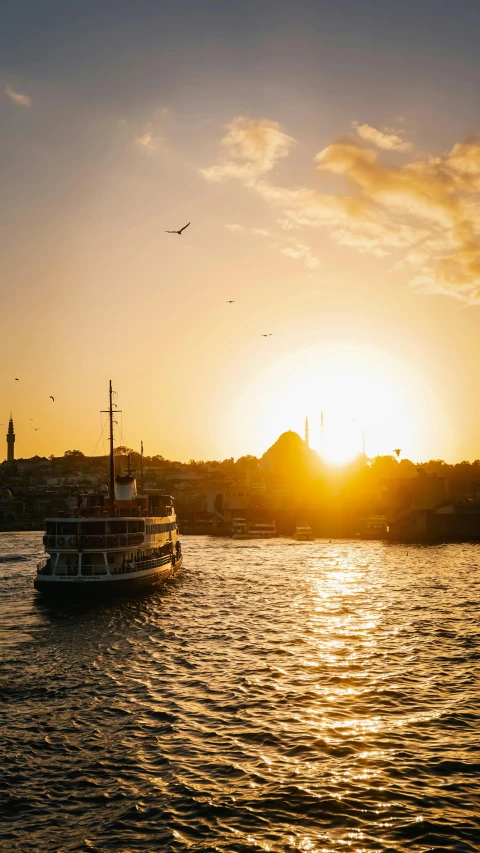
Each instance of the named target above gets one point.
<point>306,432</point>
<point>10,441</point>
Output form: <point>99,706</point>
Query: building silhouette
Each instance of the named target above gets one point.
<point>10,441</point>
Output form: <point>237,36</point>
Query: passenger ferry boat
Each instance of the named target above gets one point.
<point>243,529</point>
<point>304,533</point>
<point>130,543</point>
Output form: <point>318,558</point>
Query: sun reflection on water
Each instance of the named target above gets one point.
<point>259,702</point>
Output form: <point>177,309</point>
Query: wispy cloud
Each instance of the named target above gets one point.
<point>292,248</point>
<point>259,232</point>
<point>18,97</point>
<point>389,139</point>
<point>426,212</point>
<point>149,143</point>
<point>432,205</point>
<point>152,139</point>
<point>301,252</point>
<point>235,228</point>
<point>253,147</point>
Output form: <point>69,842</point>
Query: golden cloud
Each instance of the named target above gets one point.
<point>301,252</point>
<point>234,228</point>
<point>152,139</point>
<point>148,142</point>
<point>426,200</point>
<point>389,139</point>
<point>18,98</point>
<point>464,163</point>
<point>427,211</point>
<point>253,147</point>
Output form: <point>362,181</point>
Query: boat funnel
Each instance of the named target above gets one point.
<point>125,488</point>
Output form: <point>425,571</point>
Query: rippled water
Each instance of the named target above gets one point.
<point>274,696</point>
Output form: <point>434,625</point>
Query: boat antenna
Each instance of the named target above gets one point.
<point>141,466</point>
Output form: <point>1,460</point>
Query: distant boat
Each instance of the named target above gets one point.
<point>243,529</point>
<point>304,533</point>
<point>129,543</point>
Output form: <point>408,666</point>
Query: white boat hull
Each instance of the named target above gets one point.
<point>105,585</point>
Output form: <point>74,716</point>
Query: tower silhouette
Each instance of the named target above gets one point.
<point>10,441</point>
<point>306,432</point>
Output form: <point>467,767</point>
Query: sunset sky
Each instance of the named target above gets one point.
<point>327,158</point>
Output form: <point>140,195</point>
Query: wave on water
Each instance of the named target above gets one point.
<point>321,699</point>
<point>15,558</point>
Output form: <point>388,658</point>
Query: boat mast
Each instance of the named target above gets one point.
<point>141,467</point>
<point>109,412</point>
<point>112,458</point>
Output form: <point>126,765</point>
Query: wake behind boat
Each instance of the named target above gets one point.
<point>129,543</point>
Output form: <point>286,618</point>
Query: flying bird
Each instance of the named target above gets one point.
<point>16,380</point>
<point>178,232</point>
<point>35,428</point>
<point>52,398</point>
<point>397,452</point>
<point>268,335</point>
<point>229,301</point>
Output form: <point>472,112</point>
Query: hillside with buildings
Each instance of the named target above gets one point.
<point>288,484</point>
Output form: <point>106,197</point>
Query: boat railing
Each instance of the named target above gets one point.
<point>141,565</point>
<point>44,567</point>
<point>74,542</point>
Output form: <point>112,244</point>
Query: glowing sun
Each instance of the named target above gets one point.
<point>368,398</point>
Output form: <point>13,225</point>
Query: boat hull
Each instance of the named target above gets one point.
<point>76,587</point>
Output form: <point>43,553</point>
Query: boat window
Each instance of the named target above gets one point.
<point>91,528</point>
<point>136,526</point>
<point>50,528</point>
<point>111,558</point>
<point>93,564</point>
<point>117,526</point>
<point>67,565</point>
<point>94,559</point>
<point>67,528</point>
<point>66,571</point>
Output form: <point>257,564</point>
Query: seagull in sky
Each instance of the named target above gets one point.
<point>229,301</point>
<point>52,398</point>
<point>16,380</point>
<point>268,335</point>
<point>35,428</point>
<point>178,232</point>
